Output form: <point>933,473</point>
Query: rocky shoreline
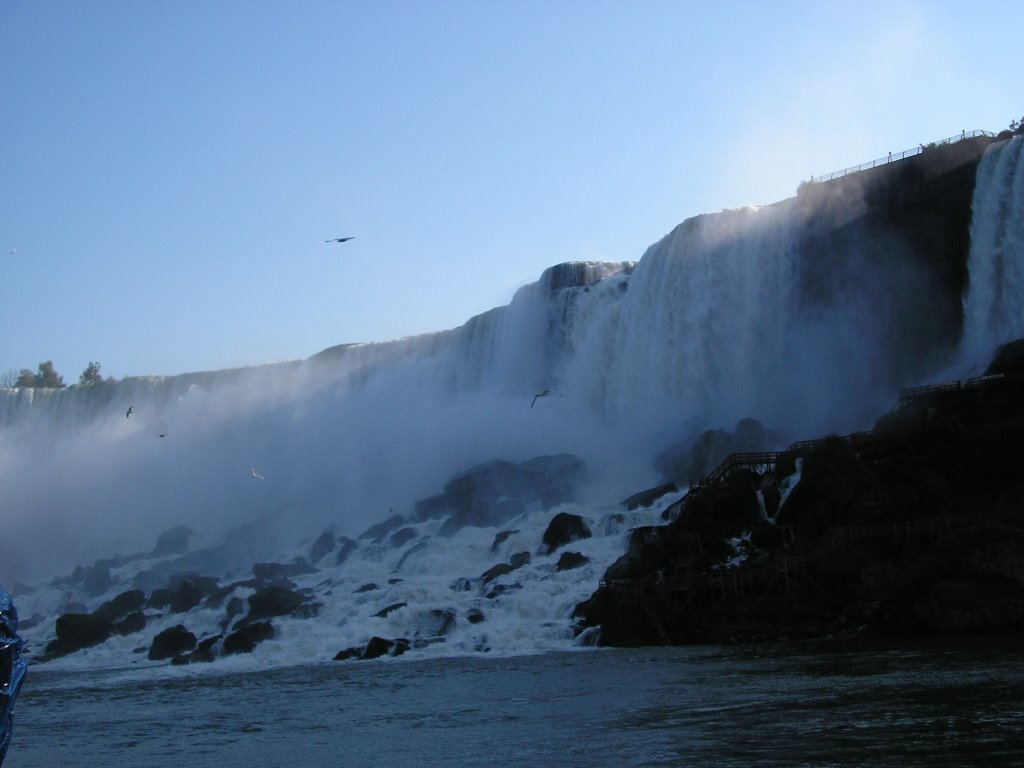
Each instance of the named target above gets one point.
<point>916,527</point>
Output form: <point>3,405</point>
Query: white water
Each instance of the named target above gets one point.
<point>711,326</point>
<point>994,309</point>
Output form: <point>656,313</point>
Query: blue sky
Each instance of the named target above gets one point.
<point>169,171</point>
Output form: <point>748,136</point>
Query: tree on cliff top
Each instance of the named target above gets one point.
<point>46,377</point>
<point>91,374</point>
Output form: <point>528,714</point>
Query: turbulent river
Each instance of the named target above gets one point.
<point>950,703</point>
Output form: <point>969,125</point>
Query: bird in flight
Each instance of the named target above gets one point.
<point>256,474</point>
<point>339,239</point>
<point>131,409</point>
<point>544,393</point>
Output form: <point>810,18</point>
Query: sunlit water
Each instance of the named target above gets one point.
<point>950,703</point>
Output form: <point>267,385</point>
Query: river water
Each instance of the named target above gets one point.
<point>940,703</point>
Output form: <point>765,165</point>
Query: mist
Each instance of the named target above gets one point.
<point>805,315</point>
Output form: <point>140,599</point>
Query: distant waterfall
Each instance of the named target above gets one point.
<point>994,305</point>
<point>778,313</point>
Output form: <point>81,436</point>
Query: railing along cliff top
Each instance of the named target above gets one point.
<point>964,135</point>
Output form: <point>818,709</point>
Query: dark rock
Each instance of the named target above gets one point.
<point>475,616</point>
<point>495,571</point>
<point>519,559</point>
<point>570,560</point>
<point>383,612</point>
<point>79,630</point>
<point>462,584</point>
<point>346,547</point>
<point>646,498</point>
<point>1009,359</point>
<point>401,537</point>
<point>378,646</point>
<point>173,541</point>
<point>564,528</point>
<point>159,599</point>
<point>245,639</point>
<point>185,597</point>
<point>171,642</point>
<point>501,537</point>
<point>323,546</point>
<point>348,653</point>
<point>125,603</point>
<point>273,601</point>
<point>133,622</point>
<point>430,509</point>
<point>205,652</point>
<point>371,587</point>
<point>376,533</point>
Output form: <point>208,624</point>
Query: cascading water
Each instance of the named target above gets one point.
<point>994,306</point>
<point>732,315</point>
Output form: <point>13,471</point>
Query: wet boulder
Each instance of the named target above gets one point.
<point>245,639</point>
<point>171,642</point>
<point>501,537</point>
<point>79,630</point>
<point>273,601</point>
<point>378,646</point>
<point>122,605</point>
<point>571,560</point>
<point>130,624</point>
<point>563,529</point>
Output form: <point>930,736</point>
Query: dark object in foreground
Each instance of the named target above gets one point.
<point>12,668</point>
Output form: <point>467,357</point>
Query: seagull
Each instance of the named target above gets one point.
<point>545,393</point>
<point>338,239</point>
<point>256,474</point>
<point>162,434</point>
<point>129,411</point>
<point>14,251</point>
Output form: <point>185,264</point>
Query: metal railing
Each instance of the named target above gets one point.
<point>891,157</point>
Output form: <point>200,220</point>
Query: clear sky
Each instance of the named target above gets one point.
<point>169,170</point>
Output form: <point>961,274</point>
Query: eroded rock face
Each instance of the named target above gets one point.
<point>912,528</point>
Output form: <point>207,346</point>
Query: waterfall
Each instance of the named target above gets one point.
<point>994,305</point>
<point>736,314</point>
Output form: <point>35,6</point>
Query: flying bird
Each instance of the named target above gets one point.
<point>162,434</point>
<point>544,393</point>
<point>339,239</point>
<point>129,411</point>
<point>256,474</point>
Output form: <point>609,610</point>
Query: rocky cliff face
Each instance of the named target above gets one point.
<point>914,527</point>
